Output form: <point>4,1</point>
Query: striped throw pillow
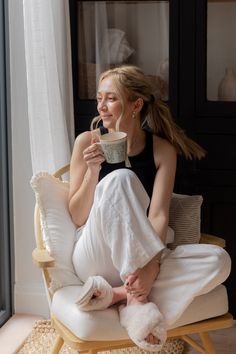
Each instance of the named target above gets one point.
<point>185,219</point>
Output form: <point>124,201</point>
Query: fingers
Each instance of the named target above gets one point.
<point>95,138</point>
<point>130,280</point>
<point>137,286</point>
<point>93,154</point>
<point>128,284</point>
<point>135,289</point>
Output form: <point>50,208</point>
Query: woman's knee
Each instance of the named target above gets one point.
<point>120,176</point>
<point>221,261</point>
<point>123,180</point>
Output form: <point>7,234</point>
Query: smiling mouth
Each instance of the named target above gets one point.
<point>107,116</point>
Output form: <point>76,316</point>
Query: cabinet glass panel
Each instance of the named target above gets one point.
<point>221,50</point>
<point>112,33</point>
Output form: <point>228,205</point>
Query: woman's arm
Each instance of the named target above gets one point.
<point>84,173</point>
<point>165,157</point>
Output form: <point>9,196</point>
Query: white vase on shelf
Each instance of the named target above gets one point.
<point>227,86</point>
<point>164,70</point>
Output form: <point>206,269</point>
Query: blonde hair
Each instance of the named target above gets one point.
<point>132,83</point>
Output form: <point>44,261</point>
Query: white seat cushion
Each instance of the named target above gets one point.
<point>105,325</point>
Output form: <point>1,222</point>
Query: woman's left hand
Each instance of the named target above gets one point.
<point>139,284</point>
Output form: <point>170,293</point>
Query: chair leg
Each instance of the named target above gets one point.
<point>57,345</point>
<point>193,343</point>
<point>207,343</point>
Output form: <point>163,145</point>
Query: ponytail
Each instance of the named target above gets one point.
<point>161,123</point>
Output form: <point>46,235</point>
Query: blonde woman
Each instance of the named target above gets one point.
<point>122,214</point>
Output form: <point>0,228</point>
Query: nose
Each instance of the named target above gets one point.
<point>102,106</point>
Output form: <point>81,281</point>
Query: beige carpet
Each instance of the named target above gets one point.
<point>41,339</point>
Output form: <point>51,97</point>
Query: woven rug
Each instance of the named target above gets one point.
<point>41,339</point>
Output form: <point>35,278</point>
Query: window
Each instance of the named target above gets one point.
<point>5,281</point>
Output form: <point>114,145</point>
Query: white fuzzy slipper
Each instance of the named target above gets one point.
<point>88,302</point>
<point>140,321</point>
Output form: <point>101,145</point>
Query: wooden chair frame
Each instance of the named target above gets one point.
<point>43,260</point>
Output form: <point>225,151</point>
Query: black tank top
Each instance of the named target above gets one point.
<point>142,164</point>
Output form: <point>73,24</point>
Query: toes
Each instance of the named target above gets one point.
<point>96,293</point>
<point>152,339</point>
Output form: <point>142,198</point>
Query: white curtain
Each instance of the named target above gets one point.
<point>49,82</point>
<point>112,33</point>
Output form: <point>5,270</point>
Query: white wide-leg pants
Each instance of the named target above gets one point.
<point>118,239</point>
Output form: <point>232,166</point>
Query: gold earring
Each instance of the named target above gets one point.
<point>133,114</point>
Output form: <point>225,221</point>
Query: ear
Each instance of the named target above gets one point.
<point>138,105</point>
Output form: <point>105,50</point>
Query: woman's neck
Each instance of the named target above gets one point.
<point>136,141</point>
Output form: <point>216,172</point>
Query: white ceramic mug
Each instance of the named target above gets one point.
<point>114,146</point>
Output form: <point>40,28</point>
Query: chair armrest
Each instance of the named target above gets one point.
<point>42,258</point>
<point>211,239</point>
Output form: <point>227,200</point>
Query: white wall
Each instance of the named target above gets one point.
<point>29,290</point>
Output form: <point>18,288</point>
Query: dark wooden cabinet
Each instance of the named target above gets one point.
<point>211,123</point>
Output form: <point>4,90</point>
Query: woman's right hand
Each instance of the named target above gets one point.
<point>93,156</point>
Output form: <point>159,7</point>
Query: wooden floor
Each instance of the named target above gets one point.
<point>224,341</point>
<point>13,333</point>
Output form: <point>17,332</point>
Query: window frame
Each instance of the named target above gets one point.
<point>6,242</point>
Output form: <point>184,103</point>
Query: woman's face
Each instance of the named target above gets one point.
<point>109,104</point>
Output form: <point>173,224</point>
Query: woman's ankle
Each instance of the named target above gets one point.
<point>119,294</point>
<point>133,300</point>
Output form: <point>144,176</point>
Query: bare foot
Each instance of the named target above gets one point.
<point>152,339</point>
<point>96,293</point>
<point>119,294</point>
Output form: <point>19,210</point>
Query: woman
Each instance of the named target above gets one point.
<point>122,213</point>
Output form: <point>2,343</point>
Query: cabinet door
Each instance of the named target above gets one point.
<point>112,33</point>
<point>207,110</point>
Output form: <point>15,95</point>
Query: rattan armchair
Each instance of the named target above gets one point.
<point>44,260</point>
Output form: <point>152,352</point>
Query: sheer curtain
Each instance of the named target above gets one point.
<point>117,32</point>
<point>49,82</point>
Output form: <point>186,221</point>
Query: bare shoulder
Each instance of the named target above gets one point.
<point>84,139</point>
<point>163,150</point>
